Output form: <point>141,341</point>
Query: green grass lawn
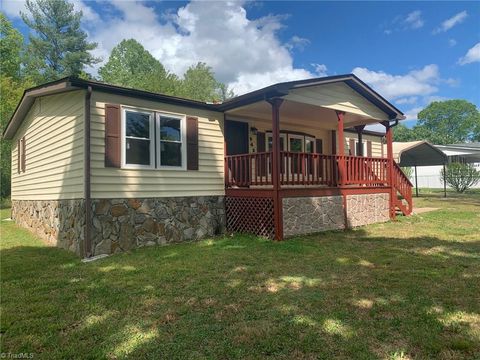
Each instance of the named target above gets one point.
<point>408,289</point>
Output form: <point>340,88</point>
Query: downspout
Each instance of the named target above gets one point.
<point>86,177</point>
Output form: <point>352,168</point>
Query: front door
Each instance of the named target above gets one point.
<point>236,137</point>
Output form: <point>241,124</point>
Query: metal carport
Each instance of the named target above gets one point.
<point>419,153</point>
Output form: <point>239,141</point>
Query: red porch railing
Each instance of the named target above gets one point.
<point>404,186</point>
<point>298,168</point>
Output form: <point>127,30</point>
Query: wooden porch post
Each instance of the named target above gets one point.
<point>359,129</point>
<point>393,193</point>
<point>277,201</point>
<point>341,148</point>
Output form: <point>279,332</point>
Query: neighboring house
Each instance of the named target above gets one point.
<point>98,168</point>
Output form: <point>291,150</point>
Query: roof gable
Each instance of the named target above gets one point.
<point>337,96</point>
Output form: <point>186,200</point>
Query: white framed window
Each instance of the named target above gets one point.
<point>269,141</point>
<point>296,143</point>
<point>310,145</point>
<point>138,139</point>
<point>171,141</point>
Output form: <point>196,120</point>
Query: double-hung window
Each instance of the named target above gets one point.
<point>139,139</point>
<point>171,142</point>
<point>153,140</point>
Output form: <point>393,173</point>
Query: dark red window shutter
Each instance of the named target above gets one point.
<point>112,136</point>
<point>24,151</point>
<point>352,146</point>
<point>19,156</point>
<point>369,148</point>
<point>192,143</point>
<point>262,164</point>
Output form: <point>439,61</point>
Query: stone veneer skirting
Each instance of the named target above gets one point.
<point>122,224</point>
<point>307,215</point>
<point>367,209</point>
<point>59,222</point>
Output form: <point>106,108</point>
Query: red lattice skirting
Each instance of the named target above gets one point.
<point>253,215</point>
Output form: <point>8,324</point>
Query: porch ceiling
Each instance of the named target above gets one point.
<point>301,113</point>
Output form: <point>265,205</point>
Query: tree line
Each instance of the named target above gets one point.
<point>58,47</point>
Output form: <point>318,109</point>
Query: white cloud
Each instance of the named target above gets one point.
<point>430,99</point>
<point>412,114</point>
<point>472,55</point>
<point>451,22</point>
<point>414,20</point>
<point>320,69</point>
<point>297,42</point>
<point>12,8</point>
<point>407,100</point>
<point>245,53</point>
<point>415,83</point>
<point>452,42</point>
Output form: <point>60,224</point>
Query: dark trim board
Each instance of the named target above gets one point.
<point>308,192</point>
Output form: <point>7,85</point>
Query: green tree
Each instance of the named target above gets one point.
<point>11,47</point>
<point>131,65</point>
<point>199,83</point>
<point>449,122</point>
<point>402,133</point>
<point>12,85</point>
<point>58,46</point>
<point>460,177</point>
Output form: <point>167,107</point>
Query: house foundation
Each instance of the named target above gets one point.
<point>121,224</point>
<point>307,215</point>
<point>124,224</point>
<point>59,223</point>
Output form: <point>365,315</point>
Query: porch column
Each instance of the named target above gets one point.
<point>277,201</point>
<point>359,129</point>
<point>393,193</point>
<point>342,169</point>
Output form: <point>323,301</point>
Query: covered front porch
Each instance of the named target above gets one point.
<point>305,145</point>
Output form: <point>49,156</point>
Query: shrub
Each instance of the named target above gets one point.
<point>460,176</point>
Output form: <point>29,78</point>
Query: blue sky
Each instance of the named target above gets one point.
<point>411,52</point>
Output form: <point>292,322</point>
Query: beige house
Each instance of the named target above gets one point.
<point>98,168</point>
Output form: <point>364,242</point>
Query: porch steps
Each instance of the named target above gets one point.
<point>403,189</point>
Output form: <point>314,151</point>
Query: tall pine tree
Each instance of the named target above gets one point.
<point>58,46</point>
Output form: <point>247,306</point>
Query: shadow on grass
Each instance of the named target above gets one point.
<point>338,294</point>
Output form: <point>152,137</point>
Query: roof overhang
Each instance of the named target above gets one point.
<point>277,90</point>
<point>73,83</point>
<point>286,88</point>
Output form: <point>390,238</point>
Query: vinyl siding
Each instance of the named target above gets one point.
<point>376,143</point>
<point>54,131</point>
<point>147,183</point>
<point>337,96</point>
